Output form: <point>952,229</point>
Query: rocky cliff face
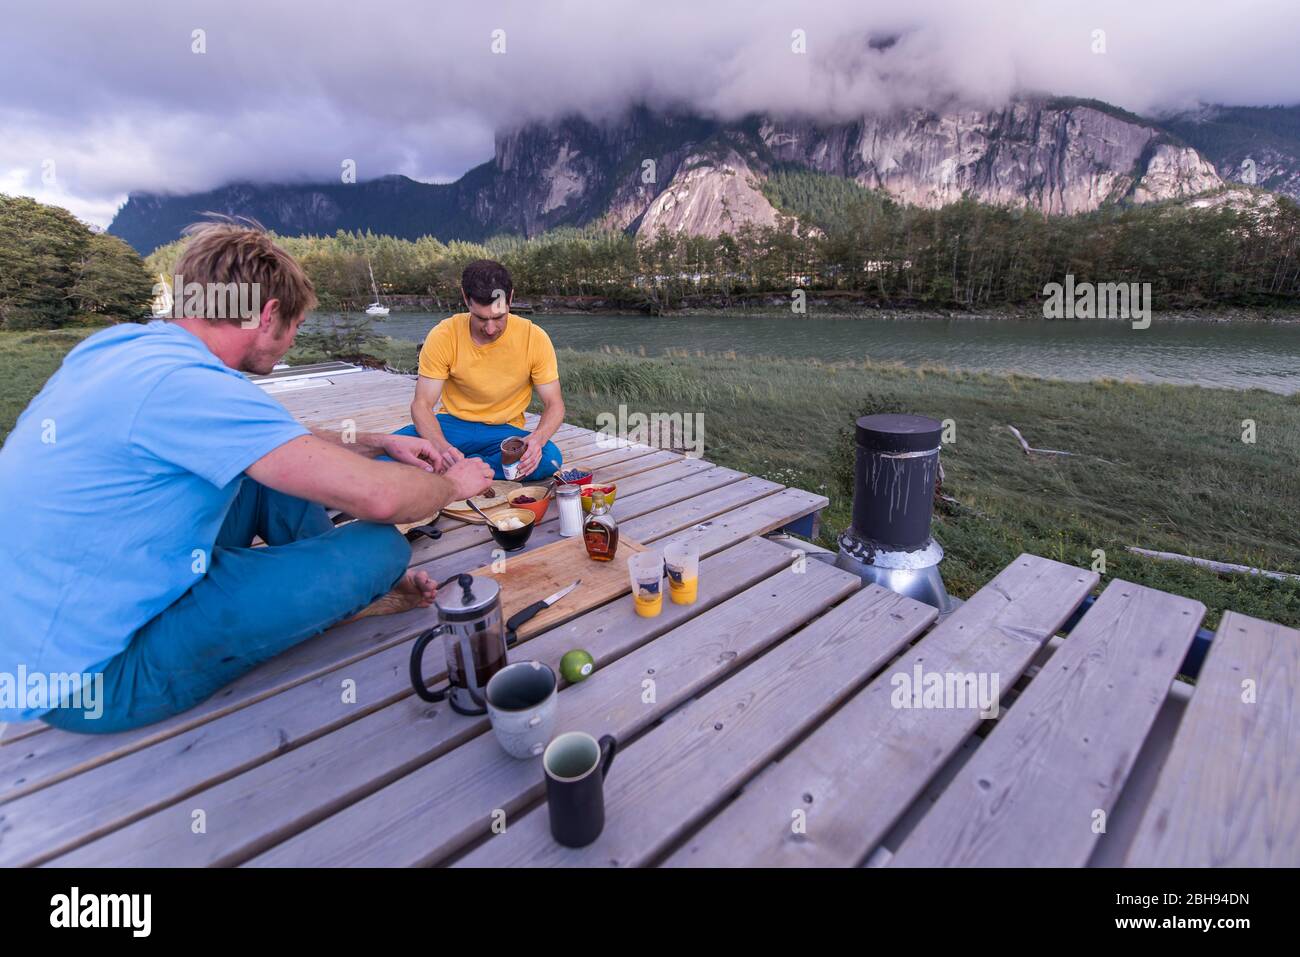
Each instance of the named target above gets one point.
<point>650,171</point>
<point>1256,146</point>
<point>1060,159</point>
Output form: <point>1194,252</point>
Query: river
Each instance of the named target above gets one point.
<point>1236,355</point>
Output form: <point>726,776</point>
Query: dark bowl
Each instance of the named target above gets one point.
<point>516,538</point>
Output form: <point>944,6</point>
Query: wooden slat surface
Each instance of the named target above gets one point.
<point>45,758</point>
<point>1037,790</point>
<point>264,806</point>
<point>677,505</point>
<point>433,812</point>
<point>289,772</point>
<point>678,772</point>
<point>460,535</point>
<point>61,817</point>
<point>48,778</point>
<point>1226,796</point>
<point>860,770</point>
<point>534,576</point>
<point>48,757</point>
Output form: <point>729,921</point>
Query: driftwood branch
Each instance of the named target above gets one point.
<point>1029,450</point>
<point>1223,567</point>
<point>1025,445</point>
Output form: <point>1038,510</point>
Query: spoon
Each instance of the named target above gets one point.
<point>482,514</point>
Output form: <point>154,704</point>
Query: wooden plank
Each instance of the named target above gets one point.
<point>297,789</point>
<point>436,810</point>
<point>49,757</point>
<point>599,458</point>
<point>370,381</point>
<point>539,574</point>
<point>37,764</point>
<point>576,440</point>
<point>756,518</point>
<point>1037,791</point>
<point>460,535</point>
<point>670,506</point>
<point>16,731</point>
<point>57,754</point>
<point>854,785</point>
<point>361,391</point>
<point>699,508</point>
<point>307,368</point>
<point>79,809</point>
<point>38,826</point>
<point>1226,796</point>
<point>678,772</point>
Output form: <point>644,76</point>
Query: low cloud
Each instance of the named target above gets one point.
<point>114,96</point>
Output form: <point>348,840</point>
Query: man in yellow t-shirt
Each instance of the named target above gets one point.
<point>483,365</point>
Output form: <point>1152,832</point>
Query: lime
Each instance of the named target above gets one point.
<point>576,665</point>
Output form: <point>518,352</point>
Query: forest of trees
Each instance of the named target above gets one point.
<point>850,239</point>
<point>838,237</point>
<point>53,268</point>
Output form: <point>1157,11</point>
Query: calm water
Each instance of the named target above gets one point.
<point>1225,355</point>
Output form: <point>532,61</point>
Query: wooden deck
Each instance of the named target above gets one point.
<point>759,726</point>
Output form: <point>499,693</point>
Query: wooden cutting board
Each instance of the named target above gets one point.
<point>532,576</point>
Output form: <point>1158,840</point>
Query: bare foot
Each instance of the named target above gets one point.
<point>415,590</point>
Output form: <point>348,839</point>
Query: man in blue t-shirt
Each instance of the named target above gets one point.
<point>134,484</point>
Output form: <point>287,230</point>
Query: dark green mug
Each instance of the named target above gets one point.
<point>575,765</point>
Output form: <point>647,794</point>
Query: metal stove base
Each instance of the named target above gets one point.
<point>913,579</point>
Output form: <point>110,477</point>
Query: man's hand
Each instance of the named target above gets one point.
<point>447,457</point>
<point>532,456</point>
<point>469,477</point>
<point>411,450</point>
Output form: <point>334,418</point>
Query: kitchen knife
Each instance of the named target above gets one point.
<point>519,617</point>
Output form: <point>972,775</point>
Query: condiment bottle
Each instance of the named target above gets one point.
<point>569,499</point>
<point>600,533</point>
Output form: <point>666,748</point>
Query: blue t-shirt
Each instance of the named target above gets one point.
<point>113,486</point>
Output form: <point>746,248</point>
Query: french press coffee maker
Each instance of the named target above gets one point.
<point>469,622</point>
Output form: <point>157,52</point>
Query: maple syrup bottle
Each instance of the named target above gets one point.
<point>600,531</point>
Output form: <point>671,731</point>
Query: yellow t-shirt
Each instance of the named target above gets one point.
<point>491,383</point>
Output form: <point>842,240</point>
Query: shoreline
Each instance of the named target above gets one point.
<point>399,356</point>
<point>818,310</point>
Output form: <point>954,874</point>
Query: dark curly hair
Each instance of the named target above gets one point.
<point>482,279</point>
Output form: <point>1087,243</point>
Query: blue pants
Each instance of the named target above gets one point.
<point>478,440</point>
<point>252,604</point>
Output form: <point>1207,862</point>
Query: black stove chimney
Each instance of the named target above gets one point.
<point>896,465</point>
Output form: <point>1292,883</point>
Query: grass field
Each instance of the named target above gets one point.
<point>1160,467</point>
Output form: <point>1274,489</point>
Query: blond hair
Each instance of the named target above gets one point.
<point>229,250</point>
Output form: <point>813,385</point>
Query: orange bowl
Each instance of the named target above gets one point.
<point>609,488</point>
<point>538,507</point>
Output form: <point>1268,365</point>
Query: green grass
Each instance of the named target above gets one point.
<point>1161,467</point>
<point>27,359</point>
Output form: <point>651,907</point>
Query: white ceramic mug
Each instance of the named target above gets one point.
<point>521,706</point>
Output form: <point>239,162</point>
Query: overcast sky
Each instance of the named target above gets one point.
<point>100,98</point>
